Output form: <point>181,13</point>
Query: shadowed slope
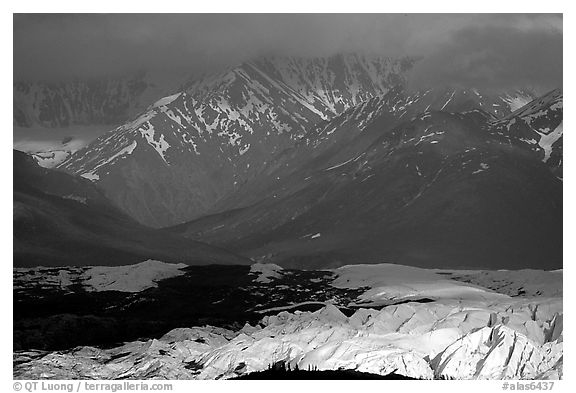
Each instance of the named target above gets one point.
<point>439,189</point>
<point>62,220</point>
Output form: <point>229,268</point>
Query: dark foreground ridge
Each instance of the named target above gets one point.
<point>319,375</point>
<point>280,371</point>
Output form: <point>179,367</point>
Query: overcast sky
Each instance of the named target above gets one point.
<point>479,50</point>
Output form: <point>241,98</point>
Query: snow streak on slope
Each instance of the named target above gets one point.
<point>400,105</point>
<point>547,141</point>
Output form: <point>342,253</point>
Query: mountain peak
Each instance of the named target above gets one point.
<point>236,117</point>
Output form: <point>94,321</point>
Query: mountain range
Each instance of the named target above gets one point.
<point>190,149</point>
<point>428,191</point>
<point>328,161</point>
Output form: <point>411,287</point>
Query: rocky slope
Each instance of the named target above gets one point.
<point>397,178</point>
<point>537,126</point>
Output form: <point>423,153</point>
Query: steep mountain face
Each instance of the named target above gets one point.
<point>187,151</point>
<point>89,101</point>
<point>393,180</point>
<point>61,219</point>
<point>338,82</point>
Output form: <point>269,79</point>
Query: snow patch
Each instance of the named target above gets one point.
<point>159,145</point>
<point>75,198</point>
<point>51,159</point>
<point>266,272</point>
<point>90,176</point>
<point>483,167</point>
<point>547,140</point>
<point>131,278</point>
<point>339,165</point>
<point>165,100</point>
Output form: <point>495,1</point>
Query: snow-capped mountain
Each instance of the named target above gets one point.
<point>273,150</point>
<point>190,149</point>
<point>399,178</point>
<point>382,113</point>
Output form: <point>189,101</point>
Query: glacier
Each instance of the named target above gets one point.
<point>420,323</point>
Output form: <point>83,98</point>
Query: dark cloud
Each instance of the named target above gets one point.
<point>494,57</point>
<point>79,45</point>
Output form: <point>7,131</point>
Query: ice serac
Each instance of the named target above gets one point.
<point>497,352</point>
<point>198,146</point>
<point>441,340</point>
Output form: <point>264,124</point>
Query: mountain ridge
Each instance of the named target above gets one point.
<point>239,118</point>
<point>428,191</point>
